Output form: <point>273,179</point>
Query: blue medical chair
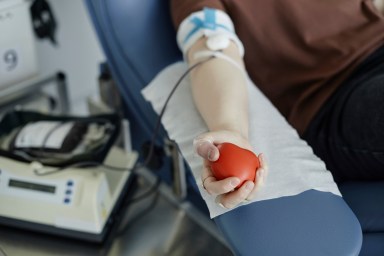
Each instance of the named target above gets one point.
<point>139,41</point>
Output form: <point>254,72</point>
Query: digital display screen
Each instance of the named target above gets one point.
<point>31,186</point>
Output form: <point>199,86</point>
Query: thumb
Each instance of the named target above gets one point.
<point>206,149</point>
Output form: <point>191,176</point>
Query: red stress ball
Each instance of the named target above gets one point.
<point>235,161</point>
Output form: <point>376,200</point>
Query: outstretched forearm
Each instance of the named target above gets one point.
<point>219,90</point>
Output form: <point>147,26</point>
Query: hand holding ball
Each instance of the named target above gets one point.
<point>235,161</point>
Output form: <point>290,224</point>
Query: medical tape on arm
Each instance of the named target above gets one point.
<point>213,24</point>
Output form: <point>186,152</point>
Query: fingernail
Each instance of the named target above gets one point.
<point>221,205</point>
<point>235,182</point>
<point>210,155</point>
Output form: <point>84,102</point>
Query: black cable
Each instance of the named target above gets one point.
<point>157,127</point>
<point>158,122</point>
<point>153,139</point>
<point>151,149</point>
<point>152,145</point>
<point>137,166</point>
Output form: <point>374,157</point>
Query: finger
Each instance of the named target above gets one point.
<point>265,169</point>
<point>236,197</point>
<point>218,187</point>
<point>206,149</point>
<point>260,177</point>
<point>206,171</point>
<point>264,175</point>
<point>212,185</point>
<point>259,182</point>
<point>263,162</point>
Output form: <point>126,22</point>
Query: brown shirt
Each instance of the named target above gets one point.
<point>298,51</point>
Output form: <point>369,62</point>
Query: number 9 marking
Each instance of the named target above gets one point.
<point>10,59</point>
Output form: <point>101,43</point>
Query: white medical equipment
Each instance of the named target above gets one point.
<point>75,202</point>
<point>17,44</point>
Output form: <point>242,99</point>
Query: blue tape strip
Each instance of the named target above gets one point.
<point>210,18</point>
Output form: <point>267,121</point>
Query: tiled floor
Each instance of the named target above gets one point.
<point>168,229</point>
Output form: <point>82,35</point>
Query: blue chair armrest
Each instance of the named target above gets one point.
<point>311,223</point>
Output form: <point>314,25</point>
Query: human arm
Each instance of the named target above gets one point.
<point>219,88</point>
<point>220,94</point>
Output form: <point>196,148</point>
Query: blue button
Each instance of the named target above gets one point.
<point>67,200</point>
<point>69,183</point>
<point>68,192</point>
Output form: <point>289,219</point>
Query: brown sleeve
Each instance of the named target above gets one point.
<point>180,9</point>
